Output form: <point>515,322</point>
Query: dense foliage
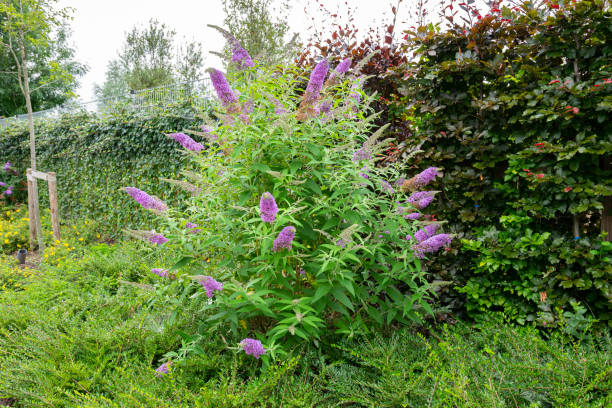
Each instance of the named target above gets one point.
<point>515,109</point>
<point>94,157</point>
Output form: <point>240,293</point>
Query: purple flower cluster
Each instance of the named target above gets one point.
<point>284,239</point>
<point>7,166</point>
<point>163,369</point>
<point>148,202</point>
<point>211,137</point>
<point>241,57</point>
<point>267,207</point>
<point>157,239</point>
<point>341,69</point>
<point>252,347</point>
<point>317,77</point>
<point>193,228</point>
<point>425,177</point>
<point>427,232</point>
<point>160,272</point>
<point>362,154</point>
<point>278,106</point>
<point>344,66</point>
<point>211,285</point>
<point>387,187</point>
<point>325,107</point>
<point>224,92</point>
<point>187,142</point>
<point>421,199</point>
<point>431,244</point>
<point>413,216</point>
<point>341,243</point>
<point>364,173</point>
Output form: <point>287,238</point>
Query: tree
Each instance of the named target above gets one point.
<point>47,90</point>
<point>150,57</point>
<point>259,28</point>
<point>27,24</point>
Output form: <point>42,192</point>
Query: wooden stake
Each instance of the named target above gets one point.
<point>52,181</point>
<point>31,216</point>
<point>36,210</point>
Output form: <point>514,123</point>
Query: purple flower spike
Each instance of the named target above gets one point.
<point>2,184</point>
<point>224,92</point>
<point>413,216</point>
<point>163,369</point>
<point>241,57</point>
<point>341,243</point>
<point>252,347</point>
<point>267,207</point>
<point>387,187</point>
<point>431,245</point>
<point>211,285</point>
<point>148,202</point>
<point>187,142</point>
<point>158,239</point>
<point>344,66</point>
<point>421,199</point>
<point>193,228</point>
<point>364,173</point>
<point>425,233</point>
<point>7,166</point>
<point>160,272</point>
<point>325,107</point>
<point>284,239</point>
<point>425,177</point>
<point>362,154</point>
<point>316,80</point>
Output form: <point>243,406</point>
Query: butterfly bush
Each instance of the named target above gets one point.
<point>337,257</point>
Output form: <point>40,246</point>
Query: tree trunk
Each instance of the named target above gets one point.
<point>26,90</point>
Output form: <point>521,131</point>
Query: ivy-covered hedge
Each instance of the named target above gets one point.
<point>94,157</point>
<point>516,111</point>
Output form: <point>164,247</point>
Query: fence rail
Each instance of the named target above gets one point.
<point>144,100</point>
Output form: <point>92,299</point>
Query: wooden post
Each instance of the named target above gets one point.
<point>52,181</point>
<point>34,209</point>
<point>31,216</point>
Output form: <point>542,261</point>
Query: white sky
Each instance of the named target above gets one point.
<point>99,26</point>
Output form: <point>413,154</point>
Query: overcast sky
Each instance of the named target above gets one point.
<point>99,26</point>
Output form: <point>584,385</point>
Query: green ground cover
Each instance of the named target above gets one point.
<point>89,326</point>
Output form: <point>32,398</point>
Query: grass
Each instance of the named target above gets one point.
<point>89,327</point>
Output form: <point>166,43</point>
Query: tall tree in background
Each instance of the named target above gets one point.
<point>151,57</point>
<point>260,28</point>
<point>26,25</point>
<point>47,89</point>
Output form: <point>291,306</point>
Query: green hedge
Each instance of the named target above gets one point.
<point>94,157</point>
<point>515,109</point>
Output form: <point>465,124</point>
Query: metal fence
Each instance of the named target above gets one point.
<point>199,94</point>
